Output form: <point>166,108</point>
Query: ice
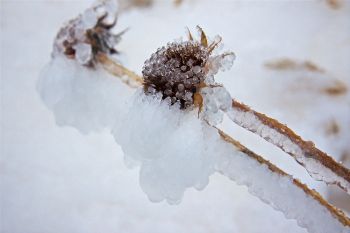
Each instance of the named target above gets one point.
<point>84,36</point>
<point>177,151</point>
<point>251,122</point>
<point>216,101</point>
<point>56,180</point>
<point>89,18</point>
<point>170,145</point>
<point>87,99</point>
<point>83,53</point>
<point>222,62</point>
<point>278,191</point>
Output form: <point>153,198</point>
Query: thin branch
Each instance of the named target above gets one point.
<point>116,69</point>
<point>304,152</point>
<point>336,213</point>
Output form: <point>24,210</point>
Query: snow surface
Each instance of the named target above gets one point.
<point>57,180</point>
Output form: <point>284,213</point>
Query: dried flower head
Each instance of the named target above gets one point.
<point>180,69</point>
<point>84,37</point>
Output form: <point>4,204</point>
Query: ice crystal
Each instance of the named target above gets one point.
<point>176,71</point>
<point>88,34</point>
<point>216,101</point>
<point>181,69</point>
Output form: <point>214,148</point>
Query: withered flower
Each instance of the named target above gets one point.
<point>87,35</point>
<point>180,69</point>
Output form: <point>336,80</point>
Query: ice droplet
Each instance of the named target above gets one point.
<point>83,53</point>
<point>89,18</point>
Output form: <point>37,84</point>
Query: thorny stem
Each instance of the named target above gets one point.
<point>307,149</point>
<point>119,71</point>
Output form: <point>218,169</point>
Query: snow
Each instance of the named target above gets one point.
<point>54,179</point>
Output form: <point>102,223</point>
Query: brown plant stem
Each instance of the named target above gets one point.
<point>336,213</point>
<point>133,80</point>
<point>118,70</point>
<point>307,149</point>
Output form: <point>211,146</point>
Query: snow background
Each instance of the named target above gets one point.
<point>55,179</point>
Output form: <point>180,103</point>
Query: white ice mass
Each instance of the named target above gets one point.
<point>176,151</point>
<point>84,98</point>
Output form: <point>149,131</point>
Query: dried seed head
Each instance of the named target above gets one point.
<point>88,34</point>
<point>179,70</point>
<point>176,71</point>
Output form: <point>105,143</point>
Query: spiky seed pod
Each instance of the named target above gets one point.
<point>179,70</point>
<point>87,35</point>
<point>176,71</point>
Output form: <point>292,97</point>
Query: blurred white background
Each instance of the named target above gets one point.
<point>57,180</point>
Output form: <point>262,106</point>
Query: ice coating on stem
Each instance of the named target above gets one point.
<point>280,192</point>
<point>176,151</point>
<point>87,99</point>
<point>316,170</point>
<point>216,101</point>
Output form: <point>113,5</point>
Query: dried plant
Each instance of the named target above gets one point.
<point>183,73</point>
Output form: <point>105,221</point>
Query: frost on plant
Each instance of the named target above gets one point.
<point>166,127</point>
<point>183,72</point>
<point>170,145</point>
<point>74,85</point>
<point>181,69</point>
<point>89,34</point>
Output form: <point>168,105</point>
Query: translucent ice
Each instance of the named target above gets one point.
<point>216,101</point>
<point>83,53</point>
<point>176,151</point>
<point>170,145</point>
<point>318,171</point>
<point>87,99</point>
<point>84,36</point>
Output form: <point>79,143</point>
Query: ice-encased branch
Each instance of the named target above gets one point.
<point>303,212</point>
<point>318,164</point>
<point>284,184</point>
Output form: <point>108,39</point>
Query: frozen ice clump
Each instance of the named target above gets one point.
<point>171,145</point>
<point>83,37</point>
<point>216,101</point>
<point>279,191</point>
<point>176,150</point>
<point>85,98</point>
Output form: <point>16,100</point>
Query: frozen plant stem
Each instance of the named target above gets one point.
<point>319,165</point>
<point>118,70</point>
<point>182,74</point>
<point>337,214</point>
